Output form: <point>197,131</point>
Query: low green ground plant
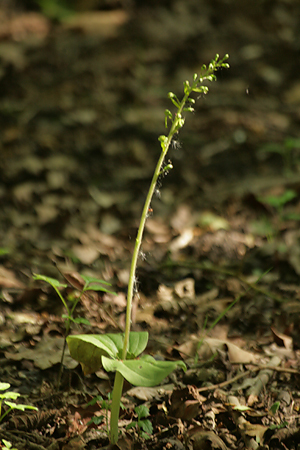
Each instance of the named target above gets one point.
<point>277,205</point>
<point>120,353</point>
<point>288,151</point>
<point>105,405</point>
<point>223,314</point>
<point>277,202</point>
<point>142,425</point>
<point>89,284</point>
<point>6,399</point>
<point>7,445</point>
<point>58,10</point>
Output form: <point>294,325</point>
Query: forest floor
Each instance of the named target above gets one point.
<point>82,106</point>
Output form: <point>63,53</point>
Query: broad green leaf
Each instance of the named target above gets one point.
<point>12,395</point>
<point>146,426</point>
<point>65,316</point>
<point>52,281</point>
<point>20,407</point>
<point>97,287</point>
<point>291,143</point>
<point>279,426</point>
<point>88,349</point>
<point>96,420</point>
<point>138,341</point>
<point>4,386</point>
<point>95,400</point>
<point>7,444</point>
<point>142,411</point>
<point>279,201</point>
<point>82,320</point>
<point>94,280</point>
<point>241,408</point>
<point>274,408</point>
<point>145,371</point>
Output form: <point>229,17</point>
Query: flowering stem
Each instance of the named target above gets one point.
<point>177,124</point>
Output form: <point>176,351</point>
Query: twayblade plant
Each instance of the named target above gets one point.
<point>119,352</point>
<point>5,398</point>
<point>89,284</point>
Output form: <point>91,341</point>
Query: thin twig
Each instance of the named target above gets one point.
<point>196,265</point>
<point>245,374</point>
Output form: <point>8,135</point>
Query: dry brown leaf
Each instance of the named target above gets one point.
<point>235,354</point>
<point>198,437</point>
<point>185,288</point>
<point>8,279</point>
<point>101,23</point>
<point>45,354</point>
<point>185,403</point>
<point>149,393</point>
<point>282,339</point>
<point>182,241</point>
<point>87,254</point>
<point>24,26</point>
<point>182,218</point>
<point>254,430</point>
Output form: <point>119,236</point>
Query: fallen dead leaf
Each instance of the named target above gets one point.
<point>45,354</point>
<point>198,437</point>
<point>87,254</point>
<point>8,279</point>
<point>282,339</point>
<point>101,23</point>
<point>235,354</point>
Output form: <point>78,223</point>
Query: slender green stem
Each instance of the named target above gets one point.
<point>67,332</point>
<point>61,297</point>
<point>119,380</point>
<point>115,408</point>
<point>139,237</point>
<point>177,123</point>
<point>5,414</point>
<point>67,326</point>
<point>61,367</point>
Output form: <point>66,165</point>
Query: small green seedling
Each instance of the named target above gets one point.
<point>6,445</point>
<point>104,404</point>
<point>90,284</point>
<point>277,203</point>
<point>58,10</point>
<point>222,314</point>
<point>4,398</point>
<point>142,424</point>
<point>120,353</point>
<point>288,150</point>
<point>274,408</point>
